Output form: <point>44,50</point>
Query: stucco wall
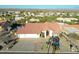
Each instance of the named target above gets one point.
<point>51,33</point>
<point>28,35</point>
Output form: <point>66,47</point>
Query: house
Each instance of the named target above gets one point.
<point>71,28</point>
<point>66,19</point>
<point>74,28</point>
<point>34,20</point>
<point>74,25</point>
<point>17,17</point>
<point>37,30</point>
<point>17,12</point>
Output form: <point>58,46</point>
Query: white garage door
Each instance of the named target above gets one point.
<point>28,36</point>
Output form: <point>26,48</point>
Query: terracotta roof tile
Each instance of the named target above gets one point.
<point>32,28</point>
<point>75,26</point>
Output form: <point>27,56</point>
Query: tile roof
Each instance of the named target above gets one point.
<point>75,25</point>
<point>32,28</point>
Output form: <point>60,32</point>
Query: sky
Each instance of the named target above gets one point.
<point>41,6</point>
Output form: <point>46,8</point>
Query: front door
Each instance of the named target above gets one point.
<point>47,33</point>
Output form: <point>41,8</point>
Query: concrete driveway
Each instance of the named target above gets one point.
<point>30,46</point>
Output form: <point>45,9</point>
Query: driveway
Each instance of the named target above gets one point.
<point>30,45</point>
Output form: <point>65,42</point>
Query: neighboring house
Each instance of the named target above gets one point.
<point>37,30</point>
<point>71,28</point>
<point>17,12</point>
<point>18,18</point>
<point>34,20</point>
<point>71,14</point>
<point>66,19</point>
<point>74,25</point>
